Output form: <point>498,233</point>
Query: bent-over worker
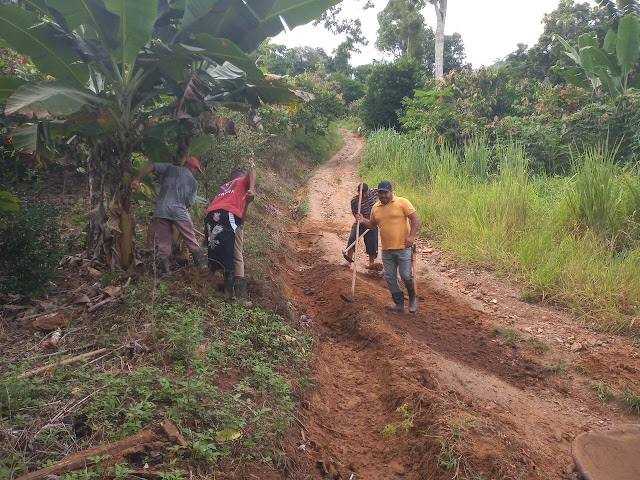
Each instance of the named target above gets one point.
<point>177,194</point>
<point>224,215</point>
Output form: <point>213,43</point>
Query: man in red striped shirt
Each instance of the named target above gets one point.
<point>369,198</point>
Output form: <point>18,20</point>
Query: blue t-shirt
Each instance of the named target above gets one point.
<point>178,192</point>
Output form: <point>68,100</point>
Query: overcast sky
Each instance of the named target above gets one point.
<point>490,30</point>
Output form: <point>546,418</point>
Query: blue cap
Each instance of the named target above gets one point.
<point>385,185</point>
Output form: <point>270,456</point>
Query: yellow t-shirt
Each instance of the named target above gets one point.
<point>393,222</point>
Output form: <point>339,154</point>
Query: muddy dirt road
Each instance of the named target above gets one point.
<point>487,386</point>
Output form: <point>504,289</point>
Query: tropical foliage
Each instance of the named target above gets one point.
<point>609,67</point>
<point>126,75</point>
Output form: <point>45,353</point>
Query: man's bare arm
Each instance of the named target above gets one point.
<point>414,223</point>
<point>143,173</point>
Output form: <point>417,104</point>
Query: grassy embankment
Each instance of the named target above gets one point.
<point>227,377</point>
<point>572,240</point>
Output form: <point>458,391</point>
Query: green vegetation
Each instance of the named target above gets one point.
<point>320,147</point>
<point>631,399</point>
<point>30,248</point>
<point>506,333</point>
<point>448,457</point>
<point>198,343</point>
<point>555,368</point>
<point>387,85</point>
<point>604,393</point>
<point>573,240</point>
<point>405,424</point>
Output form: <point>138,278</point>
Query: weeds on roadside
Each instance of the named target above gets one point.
<point>631,399</point>
<point>448,457</point>
<point>405,424</point>
<point>303,208</point>
<point>506,333</point>
<point>536,345</point>
<point>555,368</point>
<point>604,393</point>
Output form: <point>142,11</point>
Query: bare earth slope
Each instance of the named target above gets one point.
<point>494,388</point>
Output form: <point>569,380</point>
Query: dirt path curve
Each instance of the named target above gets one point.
<point>488,386</point>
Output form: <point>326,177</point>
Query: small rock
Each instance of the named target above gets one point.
<point>576,347</point>
<point>428,250</point>
<point>309,291</point>
<point>493,300</point>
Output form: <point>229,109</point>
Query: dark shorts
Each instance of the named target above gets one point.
<point>220,236</point>
<point>370,239</point>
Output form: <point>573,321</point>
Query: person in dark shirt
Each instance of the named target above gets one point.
<point>177,194</point>
<point>369,197</point>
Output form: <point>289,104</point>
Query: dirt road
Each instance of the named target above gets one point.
<point>476,385</point>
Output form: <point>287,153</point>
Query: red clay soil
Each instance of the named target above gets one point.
<point>494,388</point>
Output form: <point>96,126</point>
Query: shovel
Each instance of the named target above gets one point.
<point>355,253</point>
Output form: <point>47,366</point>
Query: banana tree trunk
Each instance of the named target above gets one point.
<point>441,15</point>
<point>120,223</point>
<point>97,215</point>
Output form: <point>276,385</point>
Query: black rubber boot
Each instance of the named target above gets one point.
<point>228,285</point>
<point>164,265</point>
<point>398,299</point>
<point>240,291</point>
<point>413,300</point>
<point>198,259</point>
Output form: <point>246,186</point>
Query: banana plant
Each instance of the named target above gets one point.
<point>609,66</point>
<point>116,67</point>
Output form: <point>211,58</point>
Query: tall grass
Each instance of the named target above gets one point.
<point>571,240</point>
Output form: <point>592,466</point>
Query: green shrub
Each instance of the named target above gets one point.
<point>596,197</point>
<point>387,85</point>
<point>30,249</point>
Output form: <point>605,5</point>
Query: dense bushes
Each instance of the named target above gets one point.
<point>549,121</point>
<point>387,85</point>
<point>30,249</point>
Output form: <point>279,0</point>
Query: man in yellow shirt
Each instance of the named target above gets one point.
<point>398,223</point>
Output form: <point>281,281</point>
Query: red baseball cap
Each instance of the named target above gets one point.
<point>193,161</point>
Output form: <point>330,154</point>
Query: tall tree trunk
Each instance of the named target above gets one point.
<point>441,15</point>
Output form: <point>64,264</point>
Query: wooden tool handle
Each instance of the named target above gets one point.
<point>355,254</point>
<point>414,261</point>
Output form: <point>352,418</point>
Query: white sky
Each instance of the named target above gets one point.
<point>490,30</point>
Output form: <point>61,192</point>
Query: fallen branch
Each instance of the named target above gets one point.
<point>66,361</point>
<point>99,304</point>
<point>306,233</point>
<point>138,443</point>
